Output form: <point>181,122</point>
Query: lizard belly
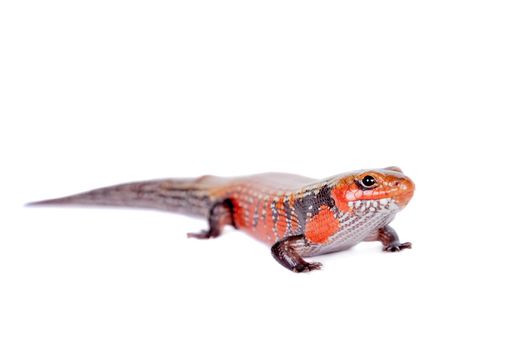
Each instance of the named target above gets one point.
<point>353,230</point>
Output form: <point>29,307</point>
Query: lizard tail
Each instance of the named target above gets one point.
<point>186,196</point>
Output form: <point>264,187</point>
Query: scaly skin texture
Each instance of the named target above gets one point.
<point>297,216</point>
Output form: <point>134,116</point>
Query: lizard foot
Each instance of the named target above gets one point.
<point>307,266</point>
<point>397,246</point>
<point>204,234</point>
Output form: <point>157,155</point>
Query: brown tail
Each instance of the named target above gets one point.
<point>184,196</point>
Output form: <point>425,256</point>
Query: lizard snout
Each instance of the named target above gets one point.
<point>406,189</point>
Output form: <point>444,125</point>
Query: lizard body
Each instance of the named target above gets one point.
<point>298,216</point>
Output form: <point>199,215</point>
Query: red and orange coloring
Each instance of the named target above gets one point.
<point>297,216</point>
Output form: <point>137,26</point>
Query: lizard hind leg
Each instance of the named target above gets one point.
<point>287,253</point>
<point>221,214</point>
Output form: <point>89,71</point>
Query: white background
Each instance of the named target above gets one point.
<point>101,92</point>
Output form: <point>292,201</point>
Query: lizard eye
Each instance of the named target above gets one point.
<point>368,181</point>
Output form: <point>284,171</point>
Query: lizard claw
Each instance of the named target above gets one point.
<point>396,247</point>
<point>307,266</point>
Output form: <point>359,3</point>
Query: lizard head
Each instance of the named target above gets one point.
<point>378,190</point>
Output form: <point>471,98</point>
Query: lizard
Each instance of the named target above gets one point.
<point>297,216</point>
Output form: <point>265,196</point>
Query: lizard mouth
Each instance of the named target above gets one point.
<point>378,205</point>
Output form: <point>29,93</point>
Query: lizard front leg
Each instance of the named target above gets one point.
<point>288,253</point>
<point>221,214</point>
<point>388,236</point>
